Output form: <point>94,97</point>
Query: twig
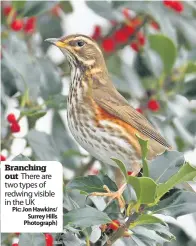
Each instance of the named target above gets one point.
<point>118,234</point>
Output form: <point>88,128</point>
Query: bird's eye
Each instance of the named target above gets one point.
<point>80,43</point>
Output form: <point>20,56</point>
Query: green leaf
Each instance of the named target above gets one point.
<point>86,217</point>
<point>144,219</point>
<point>114,63</point>
<point>165,48</point>
<point>64,142</point>
<point>112,210</point>
<point>34,8</point>
<point>145,189</point>
<point>66,6</point>
<point>32,239</point>
<point>102,8</point>
<point>88,184</point>
<point>49,26</point>
<point>166,165</point>
<point>68,238</point>
<point>69,203</point>
<point>72,152</point>
<point>122,167</point>
<point>43,145</point>
<point>109,183</point>
<point>190,68</point>
<point>153,234</point>
<point>51,81</point>
<point>32,119</point>
<point>186,173</point>
<point>57,102</point>
<point>190,89</point>
<point>21,158</point>
<point>144,151</point>
<point>18,5</point>
<point>180,203</point>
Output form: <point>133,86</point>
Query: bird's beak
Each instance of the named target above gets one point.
<point>57,42</point>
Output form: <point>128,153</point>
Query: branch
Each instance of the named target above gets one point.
<point>120,232</point>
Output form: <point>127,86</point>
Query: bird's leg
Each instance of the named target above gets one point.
<point>113,195</point>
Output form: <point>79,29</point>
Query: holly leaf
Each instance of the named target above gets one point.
<point>144,150</point>
<point>43,145</point>
<point>66,6</point>
<point>186,173</point>
<point>180,203</point>
<point>122,167</point>
<point>85,217</point>
<point>166,165</point>
<point>34,8</point>
<point>166,49</point>
<point>21,158</point>
<point>145,219</point>
<point>87,184</point>
<point>145,189</point>
<point>18,5</point>
<point>32,239</point>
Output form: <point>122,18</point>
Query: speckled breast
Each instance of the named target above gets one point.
<point>104,139</point>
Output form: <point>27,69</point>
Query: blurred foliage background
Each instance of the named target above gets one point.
<point>150,51</point>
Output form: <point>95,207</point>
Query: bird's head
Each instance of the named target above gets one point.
<point>80,50</point>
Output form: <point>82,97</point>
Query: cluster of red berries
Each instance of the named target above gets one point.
<point>121,36</point>
<point>175,5</point>
<point>14,126</point>
<point>27,25</point>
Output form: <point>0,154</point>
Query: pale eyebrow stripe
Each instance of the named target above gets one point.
<point>88,40</point>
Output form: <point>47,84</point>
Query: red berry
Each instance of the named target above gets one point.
<point>139,110</point>
<point>48,239</point>
<point>177,6</point>
<point>17,233</point>
<point>121,36</point>
<point>129,30</point>
<point>7,10</point>
<point>17,25</point>
<point>15,244</point>
<point>114,225</point>
<point>96,32</point>
<point>153,105</point>
<point>3,158</point>
<point>108,45</point>
<point>135,46</point>
<point>167,3</point>
<point>11,118</point>
<point>129,173</point>
<point>141,38</point>
<point>15,127</point>
<point>29,25</point>
<point>155,25</point>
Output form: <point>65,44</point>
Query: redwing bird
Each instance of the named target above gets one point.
<point>99,117</point>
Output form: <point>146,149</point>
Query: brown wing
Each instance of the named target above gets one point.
<point>111,100</point>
